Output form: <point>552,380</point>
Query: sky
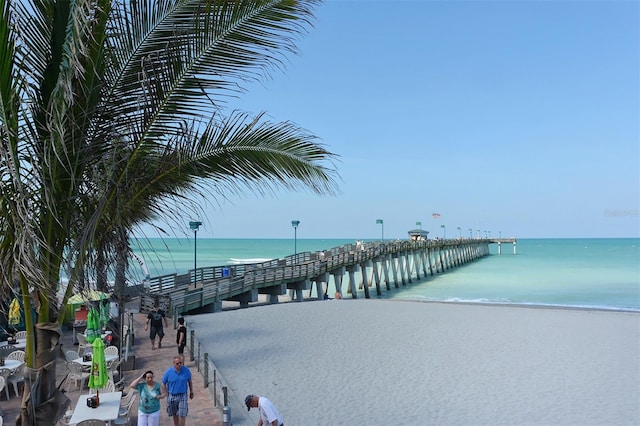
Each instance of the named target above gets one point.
<point>518,118</point>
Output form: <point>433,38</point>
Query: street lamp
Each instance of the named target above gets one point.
<point>479,235</point>
<point>195,225</point>
<point>295,224</point>
<point>470,233</point>
<point>444,232</point>
<point>500,234</point>
<point>381,222</point>
<point>460,232</point>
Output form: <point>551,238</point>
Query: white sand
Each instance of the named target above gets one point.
<point>374,362</point>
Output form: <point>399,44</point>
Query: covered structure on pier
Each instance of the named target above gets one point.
<point>418,235</point>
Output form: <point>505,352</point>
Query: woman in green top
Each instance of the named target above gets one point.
<point>150,395</point>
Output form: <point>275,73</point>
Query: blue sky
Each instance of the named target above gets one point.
<point>520,118</point>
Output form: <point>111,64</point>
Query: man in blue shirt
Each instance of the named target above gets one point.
<point>175,383</point>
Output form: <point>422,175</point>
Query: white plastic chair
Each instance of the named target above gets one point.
<point>76,372</point>
<point>82,342</point>
<point>109,387</point>
<point>111,350</point>
<point>21,335</point>
<point>113,369</point>
<point>124,414</point>
<point>18,355</point>
<point>4,374</point>
<point>70,355</point>
<point>91,422</point>
<point>17,377</point>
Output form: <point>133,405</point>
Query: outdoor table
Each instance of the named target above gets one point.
<point>12,364</point>
<point>107,358</point>
<point>20,344</point>
<point>84,328</point>
<point>106,411</point>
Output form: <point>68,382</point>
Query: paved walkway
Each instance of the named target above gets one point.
<point>202,410</point>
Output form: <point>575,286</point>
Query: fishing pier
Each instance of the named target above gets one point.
<point>382,267</point>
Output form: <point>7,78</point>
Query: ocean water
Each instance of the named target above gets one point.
<point>597,273</point>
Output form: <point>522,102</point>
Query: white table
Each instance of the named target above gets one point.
<point>106,411</point>
<point>107,358</point>
<point>20,344</point>
<point>12,364</point>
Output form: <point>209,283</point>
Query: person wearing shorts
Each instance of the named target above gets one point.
<point>181,336</point>
<point>176,383</point>
<point>155,318</point>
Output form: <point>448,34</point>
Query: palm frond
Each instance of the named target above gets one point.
<point>171,63</point>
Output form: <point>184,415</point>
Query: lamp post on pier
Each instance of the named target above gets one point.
<point>381,222</point>
<point>470,233</point>
<point>195,225</point>
<point>460,232</point>
<point>295,224</point>
<point>444,232</point>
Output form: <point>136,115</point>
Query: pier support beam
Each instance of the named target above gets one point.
<point>394,269</point>
<point>337,278</point>
<point>352,280</point>
<point>319,281</point>
<point>274,291</point>
<point>385,269</point>
<point>299,287</point>
<point>365,280</point>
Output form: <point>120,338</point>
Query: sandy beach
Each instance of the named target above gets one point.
<point>370,362</point>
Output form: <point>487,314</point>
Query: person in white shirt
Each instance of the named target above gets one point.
<point>269,415</point>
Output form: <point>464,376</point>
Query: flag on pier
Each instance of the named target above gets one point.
<point>436,215</point>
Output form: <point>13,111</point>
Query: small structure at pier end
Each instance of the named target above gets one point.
<point>418,235</point>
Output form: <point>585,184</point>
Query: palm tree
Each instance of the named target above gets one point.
<point>113,111</point>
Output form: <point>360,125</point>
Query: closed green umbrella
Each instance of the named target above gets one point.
<point>99,374</point>
<point>104,315</point>
<point>93,325</point>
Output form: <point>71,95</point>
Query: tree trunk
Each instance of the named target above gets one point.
<point>42,402</point>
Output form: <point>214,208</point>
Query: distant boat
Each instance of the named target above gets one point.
<point>243,261</point>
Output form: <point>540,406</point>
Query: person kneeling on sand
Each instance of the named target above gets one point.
<point>268,412</point>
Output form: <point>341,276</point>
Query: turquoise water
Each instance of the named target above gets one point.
<point>602,273</point>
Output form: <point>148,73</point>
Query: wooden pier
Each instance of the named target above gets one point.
<point>382,266</point>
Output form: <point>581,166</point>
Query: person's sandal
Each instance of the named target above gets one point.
<point>159,345</point>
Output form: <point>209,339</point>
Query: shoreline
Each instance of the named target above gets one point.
<point>232,306</point>
<point>361,361</point>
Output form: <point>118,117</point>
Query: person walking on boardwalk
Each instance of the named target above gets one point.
<point>181,337</point>
<point>175,383</point>
<point>268,412</point>
<point>155,318</point>
<point>150,394</point>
